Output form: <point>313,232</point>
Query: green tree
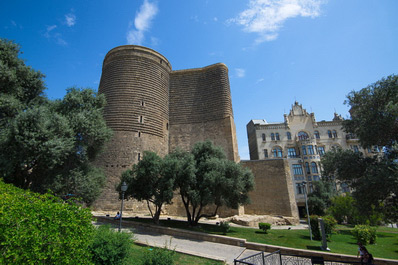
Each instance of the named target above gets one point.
<point>374,112</point>
<point>342,208</point>
<point>374,180</point>
<point>320,198</point>
<point>149,181</point>
<point>48,144</point>
<point>210,179</point>
<point>20,85</point>
<point>42,229</point>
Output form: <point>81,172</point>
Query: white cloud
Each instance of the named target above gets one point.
<point>266,17</point>
<point>59,40</point>
<point>70,19</point>
<point>142,23</point>
<point>51,33</point>
<point>47,34</point>
<point>240,72</point>
<point>154,41</point>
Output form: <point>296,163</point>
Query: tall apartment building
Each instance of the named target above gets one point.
<point>302,141</point>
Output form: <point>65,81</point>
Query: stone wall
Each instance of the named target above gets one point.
<point>201,109</point>
<point>273,193</point>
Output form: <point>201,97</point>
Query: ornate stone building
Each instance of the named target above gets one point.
<point>151,107</point>
<point>302,141</point>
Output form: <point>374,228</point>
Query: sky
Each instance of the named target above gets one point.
<point>277,51</point>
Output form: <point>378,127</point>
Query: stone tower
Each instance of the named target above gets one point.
<point>150,107</point>
<point>135,82</point>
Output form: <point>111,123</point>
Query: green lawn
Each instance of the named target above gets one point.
<point>140,251</point>
<point>341,242</point>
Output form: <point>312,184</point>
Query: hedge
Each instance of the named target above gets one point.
<point>43,229</point>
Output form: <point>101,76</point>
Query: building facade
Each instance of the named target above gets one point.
<point>302,141</point>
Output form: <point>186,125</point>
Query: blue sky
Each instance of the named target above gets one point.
<point>312,51</point>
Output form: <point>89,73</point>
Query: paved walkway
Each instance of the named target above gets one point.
<point>216,251</point>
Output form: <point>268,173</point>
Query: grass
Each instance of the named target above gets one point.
<point>140,251</point>
<point>341,242</point>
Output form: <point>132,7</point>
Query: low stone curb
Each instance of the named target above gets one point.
<point>240,242</point>
<point>186,252</point>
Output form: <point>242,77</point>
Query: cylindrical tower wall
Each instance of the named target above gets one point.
<point>201,109</point>
<point>135,82</point>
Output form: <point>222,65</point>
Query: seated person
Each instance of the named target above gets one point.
<point>117,217</point>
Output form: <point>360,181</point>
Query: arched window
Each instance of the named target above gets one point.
<point>272,136</point>
<point>334,134</point>
<point>263,136</point>
<point>304,148</point>
<point>310,150</point>
<point>316,133</point>
<point>277,152</point>
<point>314,168</point>
<point>307,168</point>
<point>265,153</point>
<point>321,150</point>
<point>289,136</point>
<point>302,135</point>
<point>330,134</point>
<point>277,136</point>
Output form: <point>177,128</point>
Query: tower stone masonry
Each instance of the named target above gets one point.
<point>150,107</point>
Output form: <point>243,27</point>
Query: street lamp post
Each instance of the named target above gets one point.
<point>123,189</point>
<point>304,184</point>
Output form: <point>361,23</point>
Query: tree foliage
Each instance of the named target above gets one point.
<point>374,112</point>
<point>149,181</point>
<point>202,177</point>
<point>41,229</point>
<point>210,179</point>
<point>20,85</point>
<point>320,198</point>
<point>342,208</point>
<point>374,180</point>
<point>374,120</point>
<point>48,144</point>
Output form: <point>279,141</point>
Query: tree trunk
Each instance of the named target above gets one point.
<point>157,214</point>
<point>186,205</point>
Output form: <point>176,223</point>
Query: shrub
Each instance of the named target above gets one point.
<point>264,226</point>
<point>111,247</point>
<point>364,234</point>
<point>41,229</point>
<point>330,225</point>
<point>225,227</point>
<point>316,233</point>
<point>159,256</point>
